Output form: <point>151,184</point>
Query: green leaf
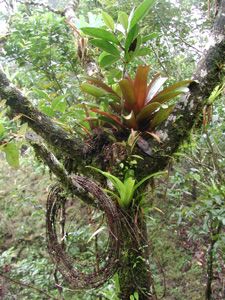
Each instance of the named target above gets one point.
<point>123,19</point>
<point>108,20</point>
<point>150,37</point>
<point>2,129</point>
<point>42,94</point>
<point>144,52</point>
<point>132,297</point>
<point>132,34</point>
<point>161,116</point>
<point>105,46</point>
<point>136,296</point>
<point>48,111</point>
<point>130,120</point>
<point>61,107</point>
<point>92,90</point>
<point>107,60</point>
<point>148,177</point>
<point>56,101</point>
<point>141,11</point>
<point>12,155</point>
<point>100,33</point>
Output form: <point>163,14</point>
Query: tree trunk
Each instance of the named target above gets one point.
<point>134,273</point>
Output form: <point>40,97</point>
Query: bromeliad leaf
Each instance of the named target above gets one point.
<point>92,90</point>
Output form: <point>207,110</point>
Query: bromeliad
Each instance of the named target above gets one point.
<point>140,106</point>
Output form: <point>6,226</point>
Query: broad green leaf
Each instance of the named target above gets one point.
<point>92,90</point>
<point>56,101</point>
<point>149,37</point>
<point>136,296</point>
<point>12,155</point>
<point>140,85</point>
<point>105,46</point>
<point>132,34</point>
<point>141,11</point>
<point>123,19</point>
<point>42,94</point>
<point>61,107</point>
<point>146,112</point>
<point>144,51</point>
<point>107,60</point>
<point>48,111</point>
<point>100,33</point>
<point>161,116</point>
<point>133,49</point>
<point>2,129</point>
<point>108,20</point>
<point>128,95</point>
<point>99,83</point>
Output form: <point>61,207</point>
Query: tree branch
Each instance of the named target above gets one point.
<point>58,139</point>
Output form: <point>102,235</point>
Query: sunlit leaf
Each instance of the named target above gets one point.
<point>95,233</point>
<point>12,155</point>
<point>100,33</point>
<point>141,11</point>
<point>105,46</point>
<point>123,19</point>
<point>108,20</point>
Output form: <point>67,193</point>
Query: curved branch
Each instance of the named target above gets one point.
<point>58,139</point>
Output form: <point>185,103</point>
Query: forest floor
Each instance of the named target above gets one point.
<point>178,259</point>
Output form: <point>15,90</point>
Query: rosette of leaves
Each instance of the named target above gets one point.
<point>139,105</point>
